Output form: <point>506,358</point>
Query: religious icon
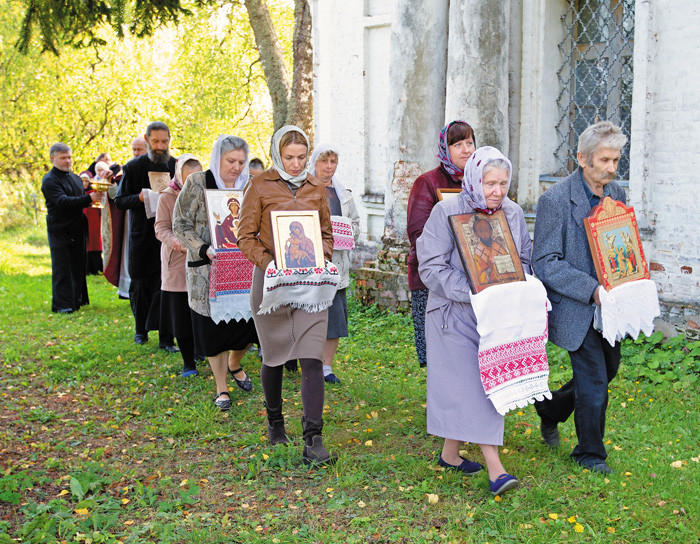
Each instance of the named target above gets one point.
<point>158,181</point>
<point>487,250</point>
<point>223,206</point>
<point>297,239</point>
<point>615,244</point>
<point>444,194</point>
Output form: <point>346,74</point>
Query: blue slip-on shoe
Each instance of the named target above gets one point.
<point>469,468</point>
<point>331,378</point>
<point>503,483</point>
<point>190,373</point>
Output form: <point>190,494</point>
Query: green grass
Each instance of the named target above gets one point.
<point>102,441</point>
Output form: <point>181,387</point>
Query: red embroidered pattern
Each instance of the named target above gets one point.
<point>342,235</point>
<point>513,362</point>
<point>231,273</point>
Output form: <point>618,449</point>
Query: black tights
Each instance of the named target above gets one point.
<point>186,346</point>
<point>312,387</point>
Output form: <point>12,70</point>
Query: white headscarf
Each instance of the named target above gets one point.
<point>318,151</point>
<point>277,156</point>
<point>177,179</point>
<point>215,165</point>
<point>473,182</point>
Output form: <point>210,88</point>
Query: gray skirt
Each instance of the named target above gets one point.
<point>457,404</point>
<point>287,333</point>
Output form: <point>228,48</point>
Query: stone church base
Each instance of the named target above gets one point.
<point>384,282</point>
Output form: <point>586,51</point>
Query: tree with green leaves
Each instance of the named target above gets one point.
<point>78,23</point>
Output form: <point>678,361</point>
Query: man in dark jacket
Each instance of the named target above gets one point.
<point>67,229</point>
<point>144,247</point>
<point>562,260</point>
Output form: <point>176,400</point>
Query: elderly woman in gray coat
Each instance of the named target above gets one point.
<point>323,165</point>
<point>458,409</point>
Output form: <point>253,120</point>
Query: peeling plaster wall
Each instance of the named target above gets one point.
<point>665,165</point>
<point>477,68</point>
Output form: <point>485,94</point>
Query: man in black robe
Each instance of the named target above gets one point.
<point>144,247</point>
<point>67,229</point>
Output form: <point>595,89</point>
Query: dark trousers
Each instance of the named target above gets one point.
<point>594,366</point>
<point>68,284</point>
<point>142,294</point>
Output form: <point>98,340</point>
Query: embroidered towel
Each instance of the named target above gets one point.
<point>629,308</point>
<point>309,289</point>
<point>342,232</point>
<point>512,324</point>
<point>230,280</point>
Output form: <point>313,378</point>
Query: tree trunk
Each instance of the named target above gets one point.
<point>301,106</point>
<point>272,59</point>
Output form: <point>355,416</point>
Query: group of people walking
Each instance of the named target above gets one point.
<point>171,255</point>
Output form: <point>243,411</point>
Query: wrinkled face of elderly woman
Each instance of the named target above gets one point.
<point>294,158</point>
<point>231,165</point>
<point>495,184</point>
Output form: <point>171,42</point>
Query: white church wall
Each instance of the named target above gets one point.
<point>351,88</point>
<point>665,165</point>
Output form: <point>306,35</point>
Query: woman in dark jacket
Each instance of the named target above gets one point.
<point>456,145</point>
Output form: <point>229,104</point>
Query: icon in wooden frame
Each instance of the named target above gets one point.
<point>615,244</point>
<point>444,194</point>
<point>296,236</point>
<point>223,208</point>
<point>487,250</point>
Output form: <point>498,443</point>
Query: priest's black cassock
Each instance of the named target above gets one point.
<point>67,229</point>
<point>144,247</point>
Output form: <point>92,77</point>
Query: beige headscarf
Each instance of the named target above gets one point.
<point>277,156</point>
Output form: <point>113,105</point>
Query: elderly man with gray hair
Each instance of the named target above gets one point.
<point>562,260</point>
<point>67,229</point>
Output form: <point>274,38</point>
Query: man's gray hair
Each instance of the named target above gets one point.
<point>496,163</point>
<point>231,143</point>
<point>157,125</point>
<point>59,147</point>
<point>601,134</point>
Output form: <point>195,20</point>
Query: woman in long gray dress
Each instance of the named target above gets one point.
<point>458,409</point>
<point>287,333</point>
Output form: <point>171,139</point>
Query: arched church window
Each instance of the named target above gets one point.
<point>596,74</point>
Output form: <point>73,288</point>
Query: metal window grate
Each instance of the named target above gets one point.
<point>596,75</point>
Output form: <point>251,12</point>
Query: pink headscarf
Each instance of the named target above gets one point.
<point>472,183</point>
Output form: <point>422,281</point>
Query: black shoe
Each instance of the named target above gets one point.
<point>600,467</point>
<point>140,339</point>
<point>245,384</point>
<point>550,433</point>
<point>331,378</point>
<point>291,366</point>
<point>65,311</point>
<point>223,404</point>
<point>170,348</point>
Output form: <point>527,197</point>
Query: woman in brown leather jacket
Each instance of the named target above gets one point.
<point>287,333</point>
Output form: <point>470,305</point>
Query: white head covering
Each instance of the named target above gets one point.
<point>473,183</point>
<point>318,151</point>
<point>181,160</point>
<point>277,156</point>
<point>215,164</point>
<point>100,165</point>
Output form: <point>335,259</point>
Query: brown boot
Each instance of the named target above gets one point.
<point>314,452</point>
<point>275,426</point>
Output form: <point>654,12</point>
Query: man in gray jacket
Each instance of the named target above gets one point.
<point>562,260</point>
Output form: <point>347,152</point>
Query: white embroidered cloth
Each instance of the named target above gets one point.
<point>309,289</point>
<point>343,237</point>
<point>230,281</point>
<point>629,308</point>
<point>511,320</point>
